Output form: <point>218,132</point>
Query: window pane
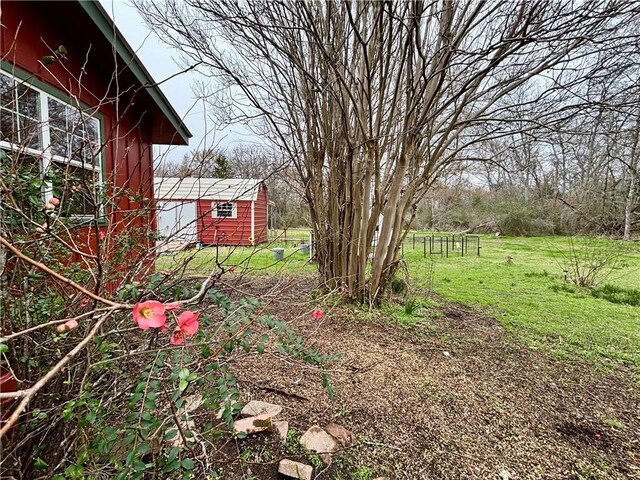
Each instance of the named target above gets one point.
<point>28,102</point>
<point>79,150</point>
<point>7,92</point>
<point>30,133</point>
<point>8,126</point>
<point>75,187</point>
<point>92,130</point>
<point>224,210</point>
<point>22,172</point>
<point>59,144</point>
<point>57,114</point>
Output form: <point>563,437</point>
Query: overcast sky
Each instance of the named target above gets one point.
<point>160,61</point>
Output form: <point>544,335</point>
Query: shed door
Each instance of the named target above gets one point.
<point>177,220</point>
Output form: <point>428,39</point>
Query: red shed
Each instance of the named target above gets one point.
<point>76,101</point>
<point>213,211</point>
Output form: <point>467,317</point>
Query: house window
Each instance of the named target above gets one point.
<point>225,210</point>
<point>57,138</point>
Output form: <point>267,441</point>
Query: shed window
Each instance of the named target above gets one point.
<point>225,210</point>
<point>62,139</point>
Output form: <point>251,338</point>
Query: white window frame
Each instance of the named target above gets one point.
<point>45,156</point>
<point>234,209</point>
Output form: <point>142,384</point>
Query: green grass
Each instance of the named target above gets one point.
<point>247,260</point>
<point>529,296</point>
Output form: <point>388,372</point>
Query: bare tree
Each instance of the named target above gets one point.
<point>372,101</point>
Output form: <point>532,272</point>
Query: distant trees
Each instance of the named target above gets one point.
<point>373,102</point>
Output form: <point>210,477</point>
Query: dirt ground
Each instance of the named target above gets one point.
<point>455,397</point>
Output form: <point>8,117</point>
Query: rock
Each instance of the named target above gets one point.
<point>249,425</point>
<point>319,441</point>
<point>282,427</point>
<point>381,478</point>
<point>192,403</point>
<point>293,469</point>
<point>188,427</point>
<point>255,408</point>
<point>505,475</point>
<point>341,434</point>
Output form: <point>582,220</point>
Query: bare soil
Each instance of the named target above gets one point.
<point>454,397</point>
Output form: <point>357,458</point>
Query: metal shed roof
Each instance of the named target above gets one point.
<point>190,188</point>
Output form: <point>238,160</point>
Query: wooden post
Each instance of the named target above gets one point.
<point>447,246</point>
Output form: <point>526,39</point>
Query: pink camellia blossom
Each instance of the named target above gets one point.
<point>187,326</point>
<point>71,324</point>
<point>54,201</point>
<point>317,314</point>
<point>149,314</point>
<point>102,235</point>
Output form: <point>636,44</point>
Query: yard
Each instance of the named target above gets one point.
<point>517,281</point>
<point>486,367</point>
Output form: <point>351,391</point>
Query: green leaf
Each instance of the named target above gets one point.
<point>192,377</point>
<point>183,385</point>
<point>61,50</point>
<point>40,464</point>
<point>183,374</point>
<point>173,453</point>
<point>48,59</point>
<point>3,348</point>
<point>188,464</point>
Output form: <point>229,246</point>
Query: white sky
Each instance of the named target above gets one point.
<point>160,61</point>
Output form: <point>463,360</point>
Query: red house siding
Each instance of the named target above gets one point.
<point>28,34</point>
<point>260,215</point>
<point>224,231</point>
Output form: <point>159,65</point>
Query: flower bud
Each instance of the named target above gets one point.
<point>61,328</point>
<point>71,324</point>
<point>54,201</point>
<point>49,207</point>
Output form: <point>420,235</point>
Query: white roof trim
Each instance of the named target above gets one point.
<point>190,188</point>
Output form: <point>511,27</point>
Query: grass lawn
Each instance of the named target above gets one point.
<point>529,296</point>
<point>518,281</point>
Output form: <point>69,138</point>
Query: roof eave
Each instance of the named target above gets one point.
<point>106,25</point>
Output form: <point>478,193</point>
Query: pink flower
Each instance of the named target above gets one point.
<point>187,326</point>
<point>71,324</point>
<point>102,235</point>
<point>172,306</point>
<point>149,314</point>
<point>54,201</point>
<point>317,314</point>
<point>84,302</point>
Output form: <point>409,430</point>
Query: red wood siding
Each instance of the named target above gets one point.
<point>260,214</point>
<point>30,32</point>
<point>224,231</point>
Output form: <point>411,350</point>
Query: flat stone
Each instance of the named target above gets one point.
<point>255,408</point>
<point>505,475</point>
<point>249,425</point>
<point>282,427</point>
<point>341,434</point>
<point>292,469</point>
<point>192,403</point>
<point>319,441</point>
